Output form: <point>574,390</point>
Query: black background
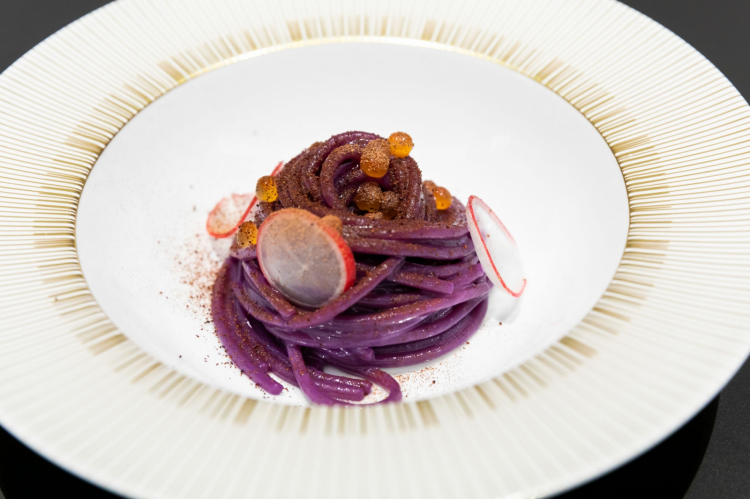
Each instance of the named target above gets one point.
<point>707,458</point>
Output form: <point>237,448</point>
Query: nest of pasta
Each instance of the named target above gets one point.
<point>418,294</point>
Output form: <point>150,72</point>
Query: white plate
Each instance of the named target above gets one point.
<point>480,128</point>
<point>586,126</point>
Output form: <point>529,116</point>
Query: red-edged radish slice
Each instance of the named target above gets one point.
<point>495,247</point>
<point>228,215</point>
<point>306,260</point>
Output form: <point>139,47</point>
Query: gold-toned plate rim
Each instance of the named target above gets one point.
<point>51,158</point>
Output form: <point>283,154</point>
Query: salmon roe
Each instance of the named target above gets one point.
<point>247,235</point>
<point>429,185</point>
<point>368,197</point>
<point>375,158</point>
<point>443,198</point>
<point>401,144</point>
<point>266,189</point>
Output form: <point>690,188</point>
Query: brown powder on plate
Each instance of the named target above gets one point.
<point>196,267</point>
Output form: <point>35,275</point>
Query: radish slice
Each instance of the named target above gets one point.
<point>306,260</point>
<point>228,215</point>
<point>496,249</point>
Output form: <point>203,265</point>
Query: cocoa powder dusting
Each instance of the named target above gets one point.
<point>197,266</point>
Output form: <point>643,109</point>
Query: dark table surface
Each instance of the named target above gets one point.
<point>707,458</point>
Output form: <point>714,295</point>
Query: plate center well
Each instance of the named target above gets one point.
<point>479,128</point>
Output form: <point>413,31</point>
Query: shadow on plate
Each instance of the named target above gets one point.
<point>666,471</point>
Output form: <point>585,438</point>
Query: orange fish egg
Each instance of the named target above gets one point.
<point>368,197</point>
<point>247,235</point>
<point>266,189</point>
<point>401,144</point>
<point>375,158</point>
<point>443,198</point>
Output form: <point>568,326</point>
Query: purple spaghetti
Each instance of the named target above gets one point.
<point>419,293</point>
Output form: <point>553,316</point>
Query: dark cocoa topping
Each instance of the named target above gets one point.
<point>389,205</point>
<point>299,186</point>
